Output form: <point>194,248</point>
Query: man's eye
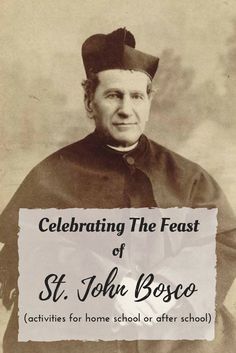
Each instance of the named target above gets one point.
<point>113,95</point>
<point>137,96</point>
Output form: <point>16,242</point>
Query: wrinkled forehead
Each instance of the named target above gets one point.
<point>123,80</point>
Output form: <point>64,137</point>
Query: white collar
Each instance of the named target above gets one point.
<point>124,149</point>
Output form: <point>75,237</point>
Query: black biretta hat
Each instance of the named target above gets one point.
<point>116,51</point>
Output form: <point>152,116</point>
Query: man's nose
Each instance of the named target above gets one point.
<point>125,109</point>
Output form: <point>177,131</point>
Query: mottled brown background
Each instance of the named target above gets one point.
<point>41,70</point>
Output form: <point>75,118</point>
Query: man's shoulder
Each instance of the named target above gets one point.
<point>69,153</point>
<point>172,161</point>
<point>187,180</point>
<point>73,148</point>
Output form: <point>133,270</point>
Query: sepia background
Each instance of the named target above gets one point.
<point>41,70</point>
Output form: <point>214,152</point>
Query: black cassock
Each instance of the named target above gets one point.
<point>89,174</point>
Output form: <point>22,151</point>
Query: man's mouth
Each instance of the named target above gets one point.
<point>122,127</point>
<point>124,124</point>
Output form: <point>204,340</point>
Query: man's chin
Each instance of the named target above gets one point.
<point>123,142</point>
<point>118,139</point>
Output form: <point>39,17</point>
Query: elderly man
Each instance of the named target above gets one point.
<point>118,166</point>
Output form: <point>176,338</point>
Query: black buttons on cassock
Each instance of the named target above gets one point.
<point>130,160</point>
<point>137,189</point>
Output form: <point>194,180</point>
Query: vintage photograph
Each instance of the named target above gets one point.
<point>110,105</point>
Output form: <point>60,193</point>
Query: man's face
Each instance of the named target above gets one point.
<point>120,106</point>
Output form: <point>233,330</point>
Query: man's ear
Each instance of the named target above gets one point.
<point>152,94</point>
<point>88,103</point>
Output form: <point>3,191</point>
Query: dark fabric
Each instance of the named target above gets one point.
<point>88,174</point>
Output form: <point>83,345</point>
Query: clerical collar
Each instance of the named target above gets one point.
<point>124,149</point>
